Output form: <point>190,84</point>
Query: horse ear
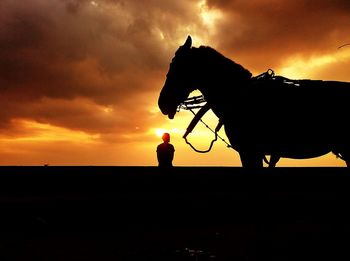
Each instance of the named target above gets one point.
<point>188,42</point>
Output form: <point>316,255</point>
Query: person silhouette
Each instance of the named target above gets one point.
<point>165,152</point>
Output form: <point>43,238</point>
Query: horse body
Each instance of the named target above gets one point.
<point>288,119</point>
<point>272,117</point>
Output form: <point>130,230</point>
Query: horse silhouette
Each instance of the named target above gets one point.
<point>269,115</point>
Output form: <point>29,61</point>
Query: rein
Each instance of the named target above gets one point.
<point>195,103</point>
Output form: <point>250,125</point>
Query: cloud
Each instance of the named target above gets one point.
<point>65,62</point>
<point>97,67</point>
<point>264,33</point>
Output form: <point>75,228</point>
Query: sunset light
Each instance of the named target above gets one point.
<point>209,16</point>
<point>300,67</point>
<point>41,132</point>
<point>86,76</point>
<point>159,132</point>
<point>174,129</point>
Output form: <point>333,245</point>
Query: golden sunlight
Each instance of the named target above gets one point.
<point>160,131</point>
<point>202,32</point>
<point>209,16</point>
<point>41,132</point>
<point>300,67</point>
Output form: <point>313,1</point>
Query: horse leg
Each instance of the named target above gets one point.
<point>273,160</point>
<point>251,160</point>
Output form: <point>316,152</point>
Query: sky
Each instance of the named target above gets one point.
<point>80,80</point>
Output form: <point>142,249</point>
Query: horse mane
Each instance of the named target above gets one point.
<point>220,63</point>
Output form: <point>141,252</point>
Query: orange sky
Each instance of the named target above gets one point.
<point>80,79</point>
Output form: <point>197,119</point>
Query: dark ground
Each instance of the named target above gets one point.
<point>140,213</point>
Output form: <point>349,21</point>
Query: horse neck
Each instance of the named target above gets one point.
<point>221,102</point>
<point>218,79</point>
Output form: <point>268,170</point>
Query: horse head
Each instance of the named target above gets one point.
<point>179,80</point>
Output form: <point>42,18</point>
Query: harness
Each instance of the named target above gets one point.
<point>268,75</point>
<point>195,103</point>
<point>199,102</point>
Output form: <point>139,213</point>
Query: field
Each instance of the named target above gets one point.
<point>188,213</point>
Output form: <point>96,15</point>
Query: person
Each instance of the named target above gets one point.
<point>165,152</point>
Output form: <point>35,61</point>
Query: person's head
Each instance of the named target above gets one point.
<point>166,137</point>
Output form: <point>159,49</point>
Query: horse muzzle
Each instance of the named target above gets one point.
<point>166,111</point>
<point>171,115</point>
<point>167,106</point>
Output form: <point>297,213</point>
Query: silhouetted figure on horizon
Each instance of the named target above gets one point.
<point>165,152</point>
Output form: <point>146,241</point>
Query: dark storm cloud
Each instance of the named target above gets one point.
<point>56,54</point>
<point>264,33</point>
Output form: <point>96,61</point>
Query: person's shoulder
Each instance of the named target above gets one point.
<point>171,146</point>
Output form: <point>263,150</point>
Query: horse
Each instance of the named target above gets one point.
<point>275,116</point>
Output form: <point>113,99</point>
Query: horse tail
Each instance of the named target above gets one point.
<point>338,155</point>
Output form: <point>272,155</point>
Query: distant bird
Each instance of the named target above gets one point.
<point>343,45</point>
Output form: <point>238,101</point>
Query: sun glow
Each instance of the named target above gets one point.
<point>209,16</point>
<point>160,131</point>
